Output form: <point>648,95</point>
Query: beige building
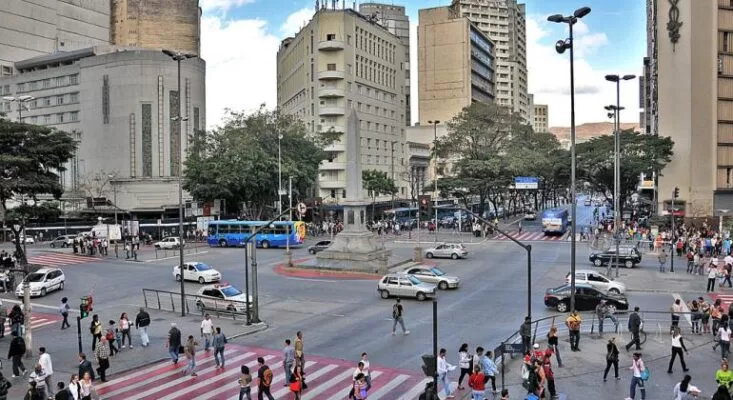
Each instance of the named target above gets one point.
<point>539,118</point>
<point>695,103</point>
<point>455,65</point>
<point>504,21</point>
<point>339,62</point>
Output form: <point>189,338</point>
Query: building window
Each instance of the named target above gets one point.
<point>74,97</point>
<point>196,118</point>
<point>133,154</point>
<point>74,79</point>
<point>60,117</point>
<point>147,139</point>
<point>331,36</point>
<point>331,67</point>
<point>7,71</point>
<point>47,102</point>
<point>59,100</point>
<point>74,116</point>
<point>46,83</point>
<point>47,119</point>
<point>175,132</point>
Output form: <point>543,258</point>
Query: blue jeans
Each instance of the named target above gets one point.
<point>600,322</point>
<point>477,395</point>
<point>288,367</point>
<point>556,350</point>
<point>173,351</point>
<point>219,353</point>
<point>245,392</point>
<point>636,381</point>
<point>207,341</point>
<point>446,383</point>
<point>191,367</point>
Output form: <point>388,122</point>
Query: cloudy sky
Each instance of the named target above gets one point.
<point>240,39</point>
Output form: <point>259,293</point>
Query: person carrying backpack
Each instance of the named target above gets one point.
<point>5,385</point>
<point>264,379</point>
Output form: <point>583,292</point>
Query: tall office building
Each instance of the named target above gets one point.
<point>694,48</point>
<point>455,64</point>
<point>344,65</point>
<point>540,123</point>
<point>397,22</point>
<point>505,23</point>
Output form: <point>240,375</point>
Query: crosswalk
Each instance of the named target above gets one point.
<point>532,236</point>
<point>60,259</point>
<point>38,320</point>
<point>327,379</point>
<point>726,299</point>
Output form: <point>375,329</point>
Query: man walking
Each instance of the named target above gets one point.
<point>142,321</point>
<point>602,312</point>
<point>634,328</point>
<point>662,260</point>
<point>38,376</point>
<point>16,353</point>
<point>45,361</point>
<point>525,330</point>
<point>397,317</point>
<point>573,323</point>
<point>64,310</point>
<point>299,355</point>
<point>288,360</point>
<point>95,327</point>
<point>218,343</point>
<point>207,329</point>
<point>190,351</point>
<point>102,355</point>
<point>264,379</point>
<point>174,342</point>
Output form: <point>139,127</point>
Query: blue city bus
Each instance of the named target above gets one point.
<point>555,221</point>
<point>233,233</point>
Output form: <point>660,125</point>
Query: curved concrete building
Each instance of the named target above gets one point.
<point>157,24</point>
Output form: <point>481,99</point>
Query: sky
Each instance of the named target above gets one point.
<point>240,39</point>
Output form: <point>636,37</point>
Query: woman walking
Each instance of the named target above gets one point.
<point>611,358</point>
<point>684,391</point>
<point>87,388</point>
<point>360,392</point>
<point>678,344</point>
<point>296,382</point>
<point>552,343</point>
<point>125,329</point>
<point>637,368</point>
<point>477,383</point>
<point>465,361</point>
<point>245,379</point>
<point>723,336</point>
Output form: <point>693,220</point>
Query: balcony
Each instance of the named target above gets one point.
<point>326,92</point>
<point>332,166</point>
<point>330,75</point>
<point>330,45</point>
<point>329,184</point>
<point>331,111</point>
<point>336,147</point>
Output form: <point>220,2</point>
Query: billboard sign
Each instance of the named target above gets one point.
<point>526,182</point>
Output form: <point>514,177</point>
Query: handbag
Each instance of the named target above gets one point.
<point>295,386</point>
<point>644,376</point>
<point>181,350</point>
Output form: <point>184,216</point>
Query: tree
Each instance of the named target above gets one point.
<point>238,162</point>
<point>377,183</point>
<point>30,162</point>
<point>639,153</point>
<point>97,185</point>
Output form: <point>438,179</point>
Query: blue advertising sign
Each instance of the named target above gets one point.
<point>526,182</point>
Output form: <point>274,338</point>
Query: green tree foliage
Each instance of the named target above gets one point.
<point>639,154</point>
<point>377,183</point>
<point>238,162</point>
<point>30,161</point>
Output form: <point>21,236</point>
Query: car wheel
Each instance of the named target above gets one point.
<point>222,243</point>
<point>629,264</point>
<point>265,244</point>
<point>64,245</point>
<point>53,246</point>
<point>443,285</point>
<point>384,294</point>
<point>312,251</point>
<point>614,291</point>
<point>420,296</point>
<point>597,262</point>
<point>157,246</point>
<point>43,292</point>
<point>429,255</point>
<point>611,309</point>
<point>454,256</point>
<point>61,285</point>
<point>178,277</point>
<point>202,280</point>
<point>562,307</point>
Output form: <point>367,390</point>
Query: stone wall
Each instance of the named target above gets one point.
<point>157,24</point>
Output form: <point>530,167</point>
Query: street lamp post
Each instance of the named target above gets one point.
<point>178,57</point>
<point>435,172</point>
<point>20,100</point>
<point>560,47</point>
<point>279,175</point>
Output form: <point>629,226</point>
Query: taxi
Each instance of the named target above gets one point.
<point>222,296</point>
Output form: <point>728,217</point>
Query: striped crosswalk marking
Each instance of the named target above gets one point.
<point>532,236</point>
<point>38,320</point>
<point>60,259</point>
<point>725,299</point>
<point>327,378</point>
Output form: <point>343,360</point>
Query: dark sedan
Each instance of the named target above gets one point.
<point>628,256</point>
<point>320,246</point>
<point>586,298</point>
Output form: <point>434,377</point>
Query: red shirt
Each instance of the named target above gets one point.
<point>476,381</point>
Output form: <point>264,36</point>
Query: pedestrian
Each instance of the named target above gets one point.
<point>676,309</point>
<point>549,375</point>
<point>573,323</point>
<point>299,355</point>
<point>174,343</point>
<point>296,382</point>
<point>488,367</point>
<point>477,383</point>
<point>218,343</point>
<point>95,328</point>
<point>38,376</point>
<point>245,379</point>
<point>397,317</point>
<point>142,321</point>
<point>64,310</point>
<point>678,345</point>
<point>85,366</point>
<point>16,353</point>
<point>207,331</point>
<point>465,362</point>
<point>32,393</point>
<point>611,358</point>
<point>705,309</point>
<point>102,353</point>
<point>696,316</point>
<point>367,374</point>
<point>723,335</point>
<point>525,330</point>
<point>3,318</point>
<point>17,318</point>
<point>684,391</point>
<point>638,376</point>
<point>124,326</point>
<point>264,380</point>
<point>662,258</point>
<point>635,328</point>
<point>504,394</point>
<point>288,360</point>
<point>553,344</point>
<point>443,368</point>
<point>62,393</point>
<point>360,392</point>
<point>74,387</point>
<point>44,359</point>
<point>86,388</point>
<point>721,394</point>
<point>536,380</point>
<point>5,385</point>
<point>111,336</point>
<point>190,351</point>
<point>712,276</point>
<point>724,376</point>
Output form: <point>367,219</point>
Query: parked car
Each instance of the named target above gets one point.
<point>530,216</point>
<point>405,285</point>
<point>452,250</point>
<point>586,298</point>
<point>628,256</point>
<point>221,297</point>
<point>320,246</point>
<point>42,281</point>
<point>170,242</point>
<point>26,240</point>
<point>597,280</point>
<point>63,241</point>
<point>197,271</point>
<point>435,276</point>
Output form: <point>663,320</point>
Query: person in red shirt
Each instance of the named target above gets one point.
<point>476,383</point>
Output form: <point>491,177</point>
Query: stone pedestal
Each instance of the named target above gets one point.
<point>417,257</point>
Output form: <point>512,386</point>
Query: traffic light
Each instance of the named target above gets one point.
<point>83,311</point>
<point>676,194</point>
<point>86,306</point>
<point>429,367</point>
<point>424,202</point>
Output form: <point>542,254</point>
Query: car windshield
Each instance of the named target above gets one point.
<point>437,271</point>
<point>230,291</point>
<point>202,267</point>
<point>414,280</point>
<point>35,277</point>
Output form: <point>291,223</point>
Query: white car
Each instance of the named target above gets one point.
<point>451,250</point>
<point>42,281</point>
<point>597,280</point>
<point>26,240</point>
<point>221,297</point>
<point>197,271</point>
<point>170,242</point>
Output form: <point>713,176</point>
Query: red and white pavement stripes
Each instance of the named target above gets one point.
<point>37,320</point>
<point>327,379</point>
<point>58,259</point>
<point>532,236</point>
<point>726,299</point>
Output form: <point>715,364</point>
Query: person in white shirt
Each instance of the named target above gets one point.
<point>712,275</point>
<point>365,371</point>
<point>637,367</point>
<point>724,336</point>
<point>207,329</point>
<point>45,360</point>
<point>443,368</point>
<point>683,390</point>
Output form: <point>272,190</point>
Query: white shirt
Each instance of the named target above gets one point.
<point>464,360</point>
<point>358,371</point>
<point>443,366</point>
<point>676,309</point>
<point>677,341</point>
<point>74,389</point>
<point>682,395</point>
<point>712,272</point>
<point>724,333</point>
<point>365,371</point>
<point>45,361</point>
<point>637,367</point>
<point>207,326</point>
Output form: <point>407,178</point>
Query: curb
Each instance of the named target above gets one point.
<point>263,326</point>
<point>295,272</point>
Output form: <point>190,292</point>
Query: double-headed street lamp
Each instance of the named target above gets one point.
<point>20,100</point>
<point>178,57</point>
<point>560,47</point>
<point>435,173</point>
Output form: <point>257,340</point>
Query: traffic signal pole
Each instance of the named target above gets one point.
<point>675,194</point>
<point>78,332</point>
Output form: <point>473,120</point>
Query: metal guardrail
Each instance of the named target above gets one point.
<point>167,301</point>
<point>188,248</point>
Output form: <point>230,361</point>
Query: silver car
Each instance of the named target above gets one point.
<point>436,276</point>
<point>404,285</point>
<point>452,250</point>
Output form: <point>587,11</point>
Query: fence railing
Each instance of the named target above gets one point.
<point>188,248</point>
<point>171,301</point>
